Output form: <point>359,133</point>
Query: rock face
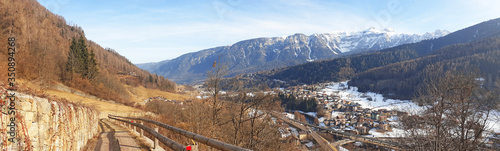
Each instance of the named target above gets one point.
<point>48,125</point>
<point>269,53</point>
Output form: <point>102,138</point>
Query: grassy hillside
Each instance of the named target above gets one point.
<point>43,44</point>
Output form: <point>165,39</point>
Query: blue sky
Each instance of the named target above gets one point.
<point>155,30</point>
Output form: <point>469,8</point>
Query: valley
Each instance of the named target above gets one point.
<point>337,80</point>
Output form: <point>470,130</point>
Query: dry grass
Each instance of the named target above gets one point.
<point>98,104</point>
<point>140,93</point>
<point>105,107</point>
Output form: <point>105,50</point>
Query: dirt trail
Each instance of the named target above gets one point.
<point>116,138</point>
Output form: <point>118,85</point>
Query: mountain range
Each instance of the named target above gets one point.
<point>261,54</point>
<point>393,71</point>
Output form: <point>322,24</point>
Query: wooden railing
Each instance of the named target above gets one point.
<point>173,145</point>
<point>168,142</point>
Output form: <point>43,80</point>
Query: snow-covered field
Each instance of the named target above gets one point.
<point>378,101</point>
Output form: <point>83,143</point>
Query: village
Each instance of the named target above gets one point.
<point>346,114</point>
<point>350,113</point>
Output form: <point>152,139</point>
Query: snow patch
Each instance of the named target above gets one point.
<point>335,114</point>
<point>321,119</point>
<point>494,121</point>
<point>313,114</point>
<point>289,115</point>
<point>394,133</point>
<point>277,51</point>
<point>342,149</point>
<point>310,144</point>
<point>308,47</point>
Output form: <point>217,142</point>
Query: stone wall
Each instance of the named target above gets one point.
<point>42,124</point>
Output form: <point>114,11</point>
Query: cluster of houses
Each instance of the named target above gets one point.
<point>362,121</point>
<point>293,136</point>
<point>346,115</point>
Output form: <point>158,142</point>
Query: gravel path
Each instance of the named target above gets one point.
<point>116,138</point>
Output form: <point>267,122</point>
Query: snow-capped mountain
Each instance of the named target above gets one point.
<point>371,39</point>
<point>269,53</point>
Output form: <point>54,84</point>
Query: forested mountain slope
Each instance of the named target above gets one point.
<point>404,79</point>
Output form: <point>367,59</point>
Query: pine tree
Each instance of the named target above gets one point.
<point>80,61</point>
<point>92,68</point>
<point>72,65</point>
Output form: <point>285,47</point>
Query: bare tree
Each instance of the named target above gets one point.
<point>238,108</point>
<point>214,84</point>
<point>456,110</point>
<point>251,127</point>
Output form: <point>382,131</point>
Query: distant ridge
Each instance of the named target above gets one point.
<point>384,62</point>
<point>261,54</point>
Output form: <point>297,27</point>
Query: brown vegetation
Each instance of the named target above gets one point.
<point>236,117</point>
<point>456,109</point>
<point>238,125</point>
<point>43,44</point>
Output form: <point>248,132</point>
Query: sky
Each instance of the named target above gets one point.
<point>155,30</point>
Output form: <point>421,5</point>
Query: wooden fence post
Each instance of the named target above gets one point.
<point>134,129</point>
<point>142,131</point>
<point>156,140</point>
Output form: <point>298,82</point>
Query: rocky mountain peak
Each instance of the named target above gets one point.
<point>275,52</point>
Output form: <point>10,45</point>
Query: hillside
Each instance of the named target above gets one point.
<point>151,66</point>
<point>348,67</point>
<point>404,79</point>
<point>49,51</point>
<point>261,54</point>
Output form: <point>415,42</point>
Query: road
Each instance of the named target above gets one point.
<point>342,142</point>
<point>325,145</point>
<point>116,138</point>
